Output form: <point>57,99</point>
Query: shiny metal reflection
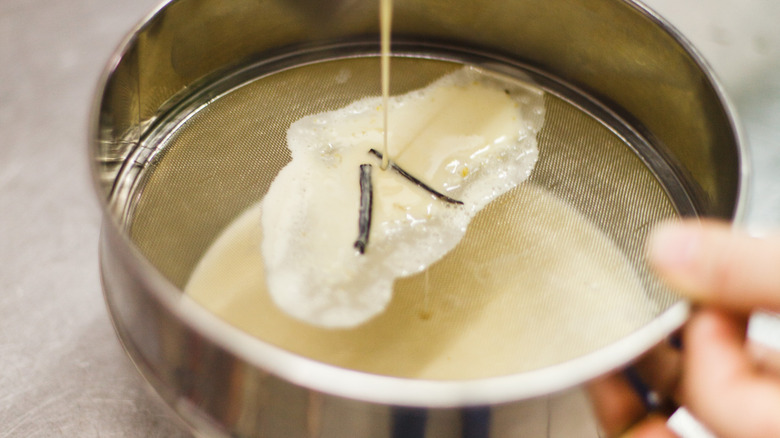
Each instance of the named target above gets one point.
<point>224,383</point>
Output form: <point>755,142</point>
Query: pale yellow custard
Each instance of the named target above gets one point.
<point>504,301</point>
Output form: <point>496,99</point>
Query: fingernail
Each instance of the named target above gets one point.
<point>673,247</point>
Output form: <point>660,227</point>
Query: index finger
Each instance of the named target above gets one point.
<point>711,262</point>
<point>721,385</point>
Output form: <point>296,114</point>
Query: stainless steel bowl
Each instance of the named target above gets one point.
<point>222,382</point>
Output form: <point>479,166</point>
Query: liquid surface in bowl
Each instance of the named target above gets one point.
<point>550,271</point>
<point>518,282</point>
<point>468,137</point>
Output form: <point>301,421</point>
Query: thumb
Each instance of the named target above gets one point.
<point>712,263</point>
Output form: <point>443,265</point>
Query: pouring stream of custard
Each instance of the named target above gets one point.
<point>386,19</point>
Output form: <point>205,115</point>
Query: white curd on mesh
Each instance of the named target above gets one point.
<point>468,135</point>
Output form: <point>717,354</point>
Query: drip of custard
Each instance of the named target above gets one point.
<point>468,135</point>
<point>385,24</point>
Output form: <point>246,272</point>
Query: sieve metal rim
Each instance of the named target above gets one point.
<point>744,155</point>
<point>440,393</point>
<point>400,391</point>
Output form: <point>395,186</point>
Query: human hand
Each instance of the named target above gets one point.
<point>731,385</point>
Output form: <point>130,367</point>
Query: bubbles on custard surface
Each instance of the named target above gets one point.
<point>470,135</point>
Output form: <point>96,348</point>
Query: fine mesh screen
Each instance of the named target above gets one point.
<point>550,271</point>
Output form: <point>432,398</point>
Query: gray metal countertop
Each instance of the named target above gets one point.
<point>62,372</point>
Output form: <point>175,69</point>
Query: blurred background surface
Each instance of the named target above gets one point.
<point>62,371</point>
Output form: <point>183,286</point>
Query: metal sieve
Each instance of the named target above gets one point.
<point>189,133</point>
